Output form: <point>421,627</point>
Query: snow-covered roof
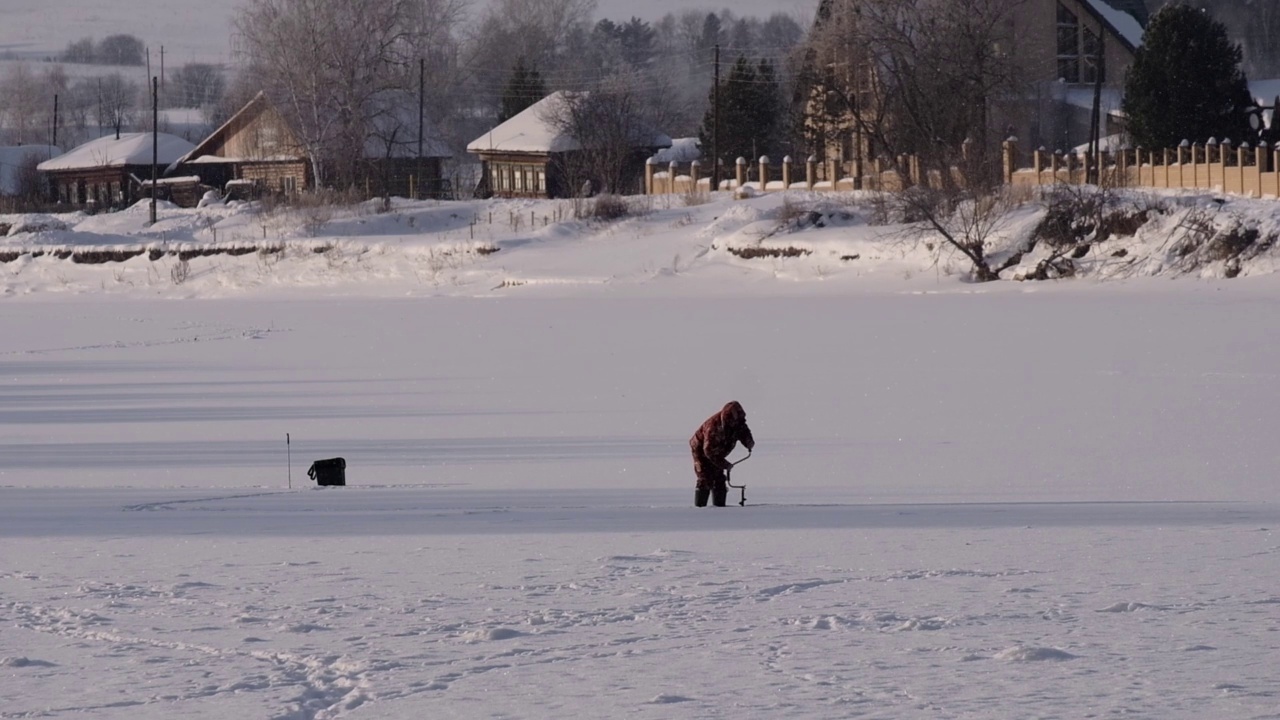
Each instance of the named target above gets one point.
<point>129,149</point>
<point>13,159</point>
<point>1109,143</point>
<point>1119,14</point>
<point>257,104</point>
<point>1111,99</point>
<point>682,150</point>
<point>184,180</point>
<point>531,130</point>
<point>534,130</point>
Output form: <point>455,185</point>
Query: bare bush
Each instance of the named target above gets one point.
<point>967,220</point>
<point>1082,214</point>
<point>695,196</point>
<point>610,207</point>
<point>179,272</point>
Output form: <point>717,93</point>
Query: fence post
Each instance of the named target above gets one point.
<point>1010,160</point>
<point>1223,150</point>
<point>1037,163</point>
<point>786,172</point>
<point>672,169</point>
<point>1259,164</point>
<point>810,169</point>
<point>648,175</point>
<point>1053,167</point>
<point>1182,163</point>
<point>742,171</point>
<point>694,167</point>
<point>764,173</point>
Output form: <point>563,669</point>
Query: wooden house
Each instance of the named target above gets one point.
<point>255,145</point>
<point>109,172</point>
<point>526,155</point>
<point>256,151</point>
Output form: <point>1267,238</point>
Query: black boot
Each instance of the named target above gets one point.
<point>700,496</point>
<point>718,495</point>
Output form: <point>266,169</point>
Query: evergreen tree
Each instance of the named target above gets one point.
<point>751,111</point>
<point>711,32</point>
<point>1186,82</point>
<point>523,89</point>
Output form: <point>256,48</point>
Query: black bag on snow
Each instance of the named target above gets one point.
<point>329,472</point>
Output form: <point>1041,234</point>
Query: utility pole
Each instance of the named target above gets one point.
<point>162,68</point>
<point>1093,173</point>
<point>155,143</point>
<point>422,103</point>
<point>55,120</point>
<point>715,126</point>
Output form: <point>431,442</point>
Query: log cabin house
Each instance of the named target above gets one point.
<point>524,156</point>
<point>108,173</point>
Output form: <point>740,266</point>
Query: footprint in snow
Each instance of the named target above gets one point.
<point>1033,654</point>
<point>491,634</point>
<point>668,699</point>
<point>21,662</point>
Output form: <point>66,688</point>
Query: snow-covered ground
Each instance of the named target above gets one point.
<point>1050,500</point>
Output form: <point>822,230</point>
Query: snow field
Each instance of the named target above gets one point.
<point>967,501</point>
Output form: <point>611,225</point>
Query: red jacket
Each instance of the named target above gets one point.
<point>717,437</point>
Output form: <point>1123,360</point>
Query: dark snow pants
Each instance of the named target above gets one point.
<point>711,482</point>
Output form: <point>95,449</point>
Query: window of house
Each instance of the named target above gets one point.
<point>494,177</point>
<point>542,181</point>
<point>1068,45</point>
<point>289,184</point>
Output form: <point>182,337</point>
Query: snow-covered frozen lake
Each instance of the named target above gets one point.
<point>965,502</point>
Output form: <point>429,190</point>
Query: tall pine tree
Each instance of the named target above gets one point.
<point>523,89</point>
<point>751,114</point>
<point>1186,82</point>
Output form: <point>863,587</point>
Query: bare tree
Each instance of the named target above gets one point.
<point>917,77</point>
<point>325,61</point>
<point>121,50</point>
<point>925,86</point>
<point>118,100</point>
<point>197,85</point>
<point>20,115</point>
<point>617,127</point>
<point>80,51</point>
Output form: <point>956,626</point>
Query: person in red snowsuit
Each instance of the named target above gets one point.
<point>711,445</point>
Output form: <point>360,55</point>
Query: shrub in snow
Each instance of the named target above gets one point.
<point>745,192</point>
<point>751,253</point>
<point>610,207</point>
<point>1076,215</point>
<point>210,198</point>
<point>35,224</point>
